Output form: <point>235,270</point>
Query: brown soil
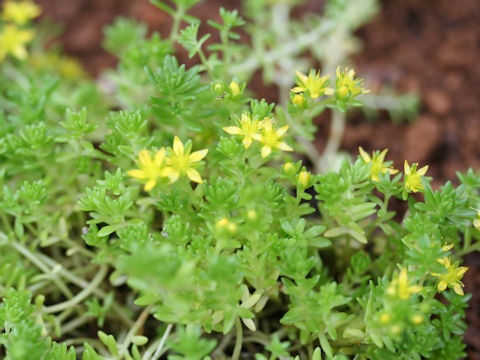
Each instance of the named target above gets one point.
<point>430,46</point>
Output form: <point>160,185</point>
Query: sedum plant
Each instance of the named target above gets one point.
<point>166,212</point>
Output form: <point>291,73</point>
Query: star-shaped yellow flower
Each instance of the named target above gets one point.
<point>271,137</point>
<point>412,178</point>
<point>401,287</point>
<point>452,277</point>
<point>13,40</point>
<point>248,129</point>
<point>20,12</point>
<point>378,163</point>
<point>347,86</point>
<point>180,161</point>
<point>315,84</point>
<point>151,168</point>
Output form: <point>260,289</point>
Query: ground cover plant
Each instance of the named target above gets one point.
<point>169,213</point>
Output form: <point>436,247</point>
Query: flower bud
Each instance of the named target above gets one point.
<point>384,318</point>
<point>298,100</point>
<point>304,178</point>
<point>288,168</point>
<point>251,214</point>
<point>218,89</point>
<point>234,88</point>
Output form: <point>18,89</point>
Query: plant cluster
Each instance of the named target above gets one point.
<point>174,214</point>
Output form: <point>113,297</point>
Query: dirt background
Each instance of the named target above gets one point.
<point>429,46</point>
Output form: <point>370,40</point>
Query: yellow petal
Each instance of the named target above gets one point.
<point>198,155</point>
<point>267,125</point>
<point>282,130</point>
<point>173,176</point>
<point>406,167</point>
<point>458,289</point>
<point>283,146</point>
<point>303,78</point>
<point>444,261</point>
<point>423,170</point>
<point>144,157</point>
<point>159,156</point>
<point>297,89</point>
<point>137,174</point>
<point>167,171</point>
<point>365,157</point>
<point>247,141</point>
<point>382,155</point>
<point>233,130</point>
<point>257,137</point>
<point>442,285</point>
<point>150,185</point>
<point>177,146</point>
<point>266,150</point>
<point>194,175</point>
<point>461,270</point>
<point>20,52</point>
<point>447,247</point>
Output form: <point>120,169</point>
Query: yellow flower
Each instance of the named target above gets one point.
<point>13,40</point>
<point>378,163</point>
<point>180,161</point>
<point>151,168</point>
<point>400,286</point>
<point>347,86</point>
<point>248,129</point>
<point>452,277</point>
<point>412,178</point>
<point>20,12</point>
<point>315,84</point>
<point>271,137</point>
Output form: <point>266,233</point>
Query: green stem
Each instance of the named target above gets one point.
<point>467,238</point>
<point>74,324</point>
<point>42,266</point>
<point>158,352</point>
<point>80,282</point>
<point>238,339</point>
<point>42,261</point>
<point>469,249</point>
<point>205,63</point>
<point>290,48</point>
<point>81,295</point>
<point>134,329</point>
<point>337,129</point>
<point>177,18</point>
